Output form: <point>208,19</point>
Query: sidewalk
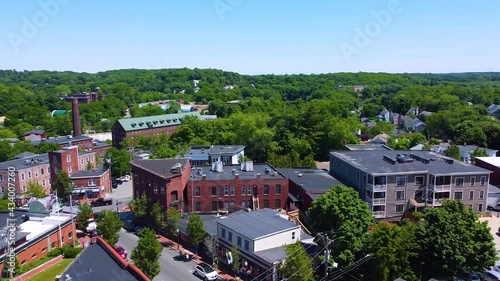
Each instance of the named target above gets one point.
<point>196,258</point>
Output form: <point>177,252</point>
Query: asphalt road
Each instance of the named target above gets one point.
<point>122,194</point>
<point>171,269</point>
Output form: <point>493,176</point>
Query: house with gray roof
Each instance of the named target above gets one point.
<point>392,182</point>
<point>465,151</point>
<point>200,155</point>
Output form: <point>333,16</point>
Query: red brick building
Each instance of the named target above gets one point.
<point>226,188</point>
<point>162,180</point>
<point>91,183</point>
<point>83,143</point>
<point>492,164</point>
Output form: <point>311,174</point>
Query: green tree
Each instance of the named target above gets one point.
<point>468,132</point>
<point>147,253</point>
<point>108,226</point>
<point>139,205</point>
<point>7,134</point>
<point>158,216</point>
<point>120,161</point>
<point>172,217</point>
<point>381,127</point>
<point>4,203</point>
<point>195,230</point>
<point>417,138</point>
<point>35,189</point>
<point>45,147</point>
<point>454,241</point>
<point>297,265</point>
<point>235,253</point>
<point>393,247</point>
<point>333,211</point>
<point>400,104</point>
<point>478,153</point>
<point>62,184</point>
<point>453,151</point>
<point>84,214</point>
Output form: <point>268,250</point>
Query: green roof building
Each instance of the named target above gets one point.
<point>58,112</point>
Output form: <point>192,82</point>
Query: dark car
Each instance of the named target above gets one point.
<point>495,208</point>
<point>129,226</point>
<point>469,276</point>
<point>101,202</point>
<point>121,251</point>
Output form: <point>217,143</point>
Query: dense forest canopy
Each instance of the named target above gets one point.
<point>293,118</point>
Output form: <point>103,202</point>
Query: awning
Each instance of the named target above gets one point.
<point>293,198</point>
<point>95,190</point>
<point>78,191</point>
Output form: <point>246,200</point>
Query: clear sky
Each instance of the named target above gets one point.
<point>251,36</point>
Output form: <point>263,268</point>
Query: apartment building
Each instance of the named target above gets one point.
<point>204,154</point>
<point>392,181</point>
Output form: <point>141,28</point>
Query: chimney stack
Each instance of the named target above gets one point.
<point>77,127</point>
<point>258,176</point>
<point>236,176</point>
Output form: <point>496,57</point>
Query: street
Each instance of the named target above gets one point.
<point>122,194</point>
<point>171,269</point>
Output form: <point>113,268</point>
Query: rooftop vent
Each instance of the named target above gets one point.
<point>141,123</point>
<point>449,161</point>
<point>404,158</point>
<point>133,125</point>
<point>300,175</point>
<point>267,170</point>
<point>390,160</point>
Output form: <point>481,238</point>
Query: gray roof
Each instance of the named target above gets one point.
<point>256,224</point>
<point>157,121</point>
<point>367,146</point>
<point>99,144</point>
<point>160,167</point>
<point>463,148</point>
<point>227,173</point>
<point>61,140</point>
<point>209,222</point>
<point>95,263</point>
<point>25,163</point>
<point>272,255</point>
<point>19,217</point>
<point>201,150</point>
<point>313,181</point>
<point>373,162</point>
<point>88,174</point>
<point>36,132</point>
<point>24,155</point>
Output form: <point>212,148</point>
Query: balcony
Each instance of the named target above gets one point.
<point>377,187</point>
<point>379,214</point>
<point>439,202</point>
<point>378,201</point>
<point>441,188</point>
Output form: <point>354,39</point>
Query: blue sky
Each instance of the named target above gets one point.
<point>251,36</point>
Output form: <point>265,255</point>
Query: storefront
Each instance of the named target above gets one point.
<point>87,193</point>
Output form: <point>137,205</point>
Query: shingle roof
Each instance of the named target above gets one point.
<point>161,167</point>
<point>311,180</point>
<point>25,163</point>
<point>257,223</point>
<point>157,121</point>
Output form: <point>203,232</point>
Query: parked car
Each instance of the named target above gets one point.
<point>138,229</point>
<point>469,276</point>
<point>491,275</point>
<point>129,226</point>
<point>101,202</point>
<point>124,178</point>
<point>205,272</point>
<point>493,207</point>
<point>122,252</point>
<point>496,267</point>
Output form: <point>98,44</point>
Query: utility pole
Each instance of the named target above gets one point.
<point>72,222</point>
<point>327,254</point>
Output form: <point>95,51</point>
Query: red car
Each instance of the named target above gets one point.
<point>121,251</point>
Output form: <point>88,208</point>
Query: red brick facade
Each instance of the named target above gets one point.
<point>98,182</point>
<point>64,160</point>
<point>119,134</point>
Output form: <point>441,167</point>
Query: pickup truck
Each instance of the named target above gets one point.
<point>101,202</point>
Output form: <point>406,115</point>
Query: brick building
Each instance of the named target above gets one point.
<point>83,142</point>
<point>148,126</point>
<point>226,188</point>
<point>162,180</point>
<point>25,168</point>
<point>35,135</point>
<point>83,98</point>
<point>91,183</point>
<point>492,164</point>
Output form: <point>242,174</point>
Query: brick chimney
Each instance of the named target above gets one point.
<point>258,176</point>
<point>77,127</point>
<point>236,176</point>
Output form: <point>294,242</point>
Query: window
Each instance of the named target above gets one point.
<point>1,177</point>
<point>480,207</point>
<point>24,188</point>
<point>214,205</point>
<point>400,181</point>
<point>22,177</point>
<point>92,159</point>
<point>266,189</point>
<point>470,206</point>
<point>68,158</point>
<point>91,182</point>
<point>69,170</point>
<point>249,190</point>
<point>53,245</point>
<point>399,208</point>
<point>483,181</point>
<point>481,194</point>
<point>243,204</point>
<point>459,182</point>
<point>197,206</point>
<point>220,191</point>
<point>400,195</point>
<point>54,159</point>
<point>81,161</point>
<point>472,181</point>
<point>33,256</point>
<point>43,182</point>
<point>243,190</point>
<point>29,175</point>
<point>238,242</point>
<point>277,203</point>
<point>293,235</point>
<point>197,191</point>
<point>471,195</point>
<point>70,235</point>
<point>364,178</point>
<point>247,245</point>
<point>226,190</point>
<point>223,233</point>
<point>214,191</point>
<point>458,195</point>
<point>278,189</point>
<point>230,236</point>
<point>48,170</point>
<point>419,180</point>
<point>232,190</point>
<point>155,188</point>
<point>36,173</point>
<point>266,203</point>
<point>41,171</point>
<point>23,262</point>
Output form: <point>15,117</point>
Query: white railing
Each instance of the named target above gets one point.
<point>379,214</point>
<point>376,187</point>
<point>378,201</point>
<point>441,188</point>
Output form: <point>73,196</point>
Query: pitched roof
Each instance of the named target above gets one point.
<point>36,132</point>
<point>26,163</point>
<point>165,168</point>
<point>157,121</point>
<point>88,174</point>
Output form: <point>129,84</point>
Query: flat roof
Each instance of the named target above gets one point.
<point>157,121</point>
<point>227,173</point>
<point>160,167</point>
<point>88,174</point>
<point>256,224</point>
<point>272,255</point>
<point>36,226</point>
<point>495,161</point>
<point>313,181</point>
<point>26,163</point>
<point>201,150</point>
<point>373,162</point>
<point>62,140</point>
<point>368,146</point>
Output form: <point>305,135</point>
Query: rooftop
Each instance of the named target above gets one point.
<point>313,181</point>
<point>88,174</point>
<point>375,162</point>
<point>265,171</point>
<point>200,150</point>
<point>165,168</point>
<point>25,163</point>
<point>24,155</point>
<point>495,161</point>
<point>62,140</point>
<point>36,132</point>
<point>158,121</point>
<point>257,224</point>
<point>463,148</point>
<point>368,146</point>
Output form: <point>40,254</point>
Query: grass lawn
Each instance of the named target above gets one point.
<point>51,272</point>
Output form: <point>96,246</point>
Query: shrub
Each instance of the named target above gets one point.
<point>55,252</point>
<point>69,252</point>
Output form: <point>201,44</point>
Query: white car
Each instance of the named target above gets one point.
<point>205,272</point>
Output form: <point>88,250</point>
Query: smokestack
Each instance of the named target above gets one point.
<point>77,126</point>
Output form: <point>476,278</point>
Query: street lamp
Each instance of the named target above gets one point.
<point>178,232</point>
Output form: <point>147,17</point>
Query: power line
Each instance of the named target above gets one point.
<point>350,268</point>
